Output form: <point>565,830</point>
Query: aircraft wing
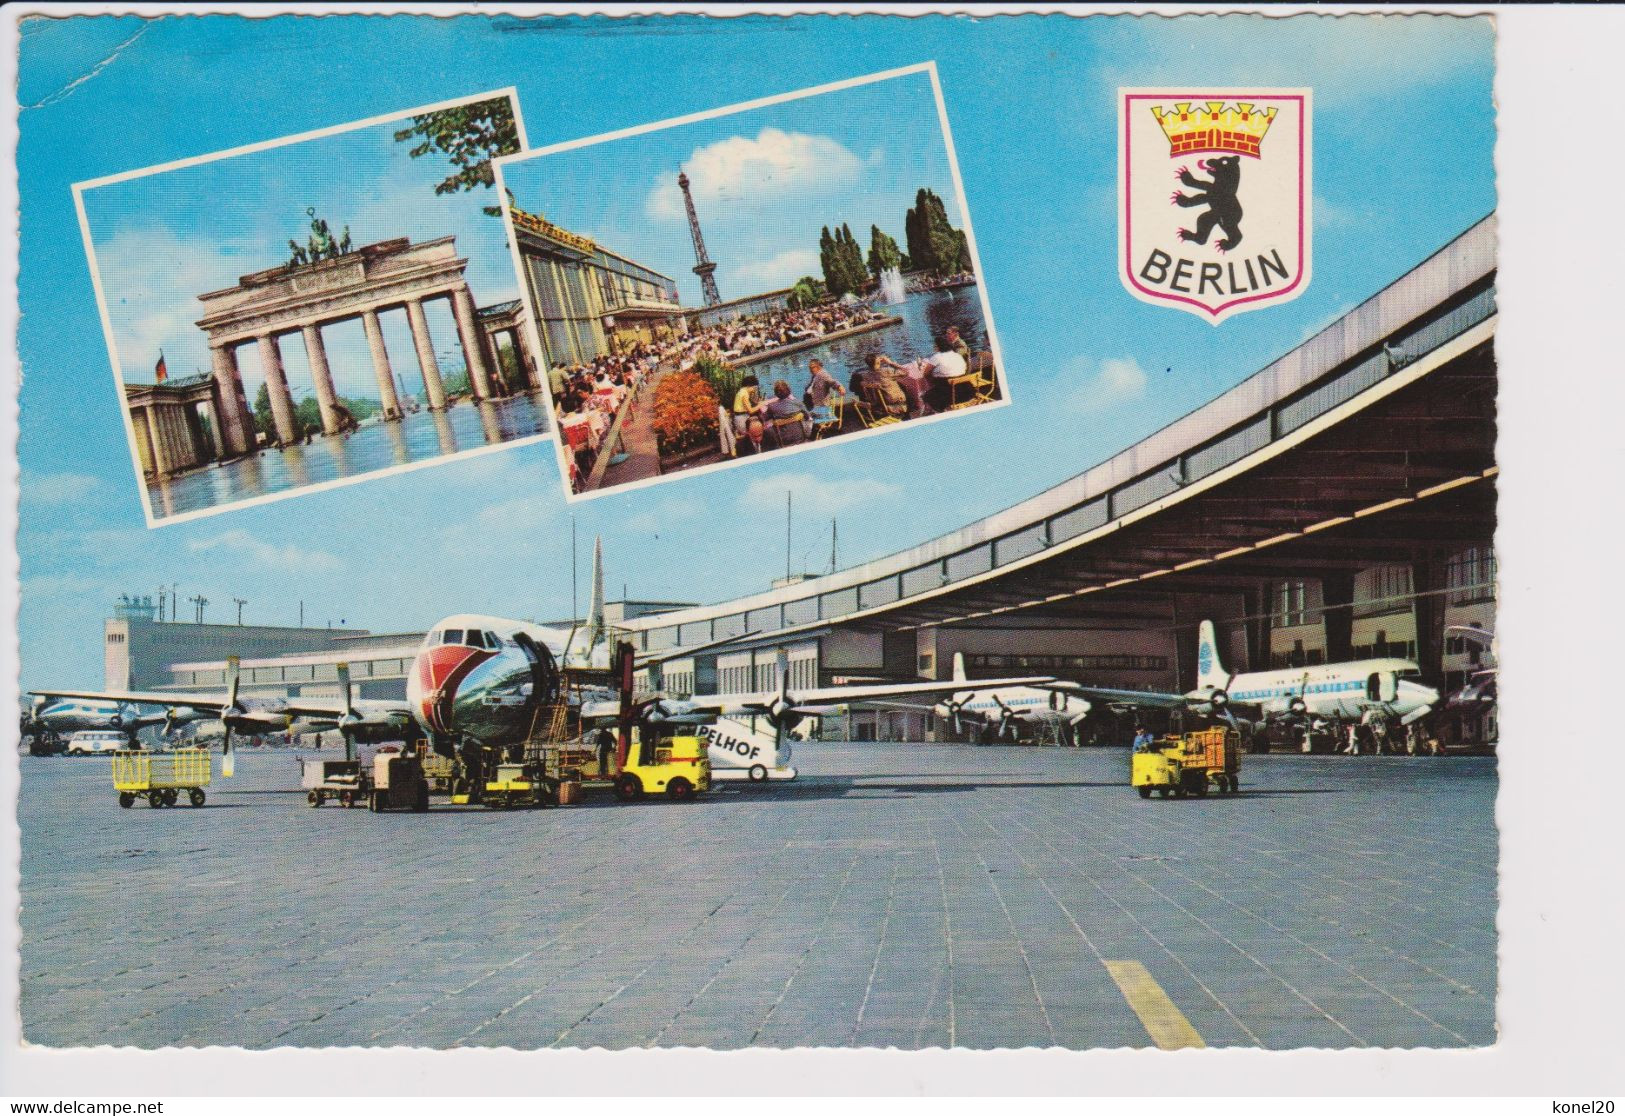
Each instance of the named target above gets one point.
<point>811,701</point>
<point>1147,699</point>
<point>212,703</point>
<point>275,715</point>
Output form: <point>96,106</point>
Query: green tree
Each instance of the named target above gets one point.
<point>264,420</point>
<point>933,243</point>
<point>830,261</point>
<point>883,252</point>
<point>470,136</point>
<point>855,269</point>
<point>808,291</point>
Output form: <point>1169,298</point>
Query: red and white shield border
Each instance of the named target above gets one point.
<point>1137,98</point>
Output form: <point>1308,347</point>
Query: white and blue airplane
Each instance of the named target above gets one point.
<point>1362,690</point>
<point>1054,705</point>
<point>48,722</point>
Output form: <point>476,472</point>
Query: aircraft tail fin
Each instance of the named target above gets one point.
<point>959,666</point>
<point>1210,672</point>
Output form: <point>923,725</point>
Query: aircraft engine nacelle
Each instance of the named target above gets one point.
<point>1217,699</point>
<point>1297,707</point>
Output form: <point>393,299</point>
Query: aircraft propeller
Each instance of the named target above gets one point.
<point>228,759</point>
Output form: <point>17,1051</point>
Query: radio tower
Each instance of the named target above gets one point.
<point>703,267</point>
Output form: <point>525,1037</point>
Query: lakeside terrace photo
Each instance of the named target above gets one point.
<point>652,376</point>
<point>257,339</point>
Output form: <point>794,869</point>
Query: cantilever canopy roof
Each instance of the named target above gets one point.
<point>1372,439</point>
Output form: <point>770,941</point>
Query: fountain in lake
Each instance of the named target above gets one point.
<point>893,291</point>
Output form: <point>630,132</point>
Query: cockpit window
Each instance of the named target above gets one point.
<point>452,635</point>
<point>475,638</point>
<point>492,640</point>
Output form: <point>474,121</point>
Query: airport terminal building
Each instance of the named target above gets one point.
<point>1337,504</point>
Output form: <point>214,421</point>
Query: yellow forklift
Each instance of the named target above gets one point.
<point>560,761</point>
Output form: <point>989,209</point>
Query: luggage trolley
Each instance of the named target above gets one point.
<point>160,778</point>
<point>1181,765</point>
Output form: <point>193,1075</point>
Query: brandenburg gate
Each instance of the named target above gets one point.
<point>302,297</point>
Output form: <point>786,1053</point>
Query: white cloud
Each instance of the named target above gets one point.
<point>57,488</point>
<point>1106,384</point>
<point>780,270</point>
<point>740,170</point>
<point>814,495</point>
<point>291,559</point>
<point>151,278</point>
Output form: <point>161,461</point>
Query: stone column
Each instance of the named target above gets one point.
<point>326,399</point>
<point>216,431</point>
<point>276,381</point>
<point>1428,606</point>
<point>521,353</point>
<point>468,329</point>
<point>155,443</point>
<point>432,383</point>
<point>387,396</point>
<point>235,437</point>
<point>1337,618</point>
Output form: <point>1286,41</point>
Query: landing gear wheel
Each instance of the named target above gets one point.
<point>126,799</point>
<point>1145,792</point>
<point>628,788</point>
<point>195,796</point>
<point>680,790</point>
<point>314,798</point>
<point>758,773</point>
<point>155,799</point>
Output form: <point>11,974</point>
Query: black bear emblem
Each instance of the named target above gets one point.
<point>1219,196</point>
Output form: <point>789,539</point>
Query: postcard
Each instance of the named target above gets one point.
<point>825,333</point>
<point>1124,678</point>
<point>301,312</point>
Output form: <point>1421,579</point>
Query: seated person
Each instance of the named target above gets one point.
<point>747,402</point>
<point>891,387</point>
<point>941,366</point>
<point>751,443</point>
<point>784,406</point>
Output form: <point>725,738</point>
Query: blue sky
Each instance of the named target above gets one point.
<point>765,182</point>
<point>1403,141</point>
<point>163,239</point>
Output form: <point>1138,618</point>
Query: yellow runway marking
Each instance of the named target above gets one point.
<point>1164,1022</point>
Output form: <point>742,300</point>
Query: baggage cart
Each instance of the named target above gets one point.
<point>341,781</point>
<point>1189,764</point>
<point>160,777</point>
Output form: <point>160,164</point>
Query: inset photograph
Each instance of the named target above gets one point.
<point>314,310</point>
<point>753,280</point>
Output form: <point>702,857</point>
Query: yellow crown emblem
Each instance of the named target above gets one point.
<point>1237,128</point>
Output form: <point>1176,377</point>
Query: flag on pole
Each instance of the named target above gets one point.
<point>162,371</point>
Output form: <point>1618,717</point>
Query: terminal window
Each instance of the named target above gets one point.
<point>1058,663</point>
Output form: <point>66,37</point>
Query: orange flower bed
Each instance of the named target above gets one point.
<point>685,412</point>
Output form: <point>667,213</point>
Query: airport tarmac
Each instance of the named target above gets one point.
<point>896,895</point>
